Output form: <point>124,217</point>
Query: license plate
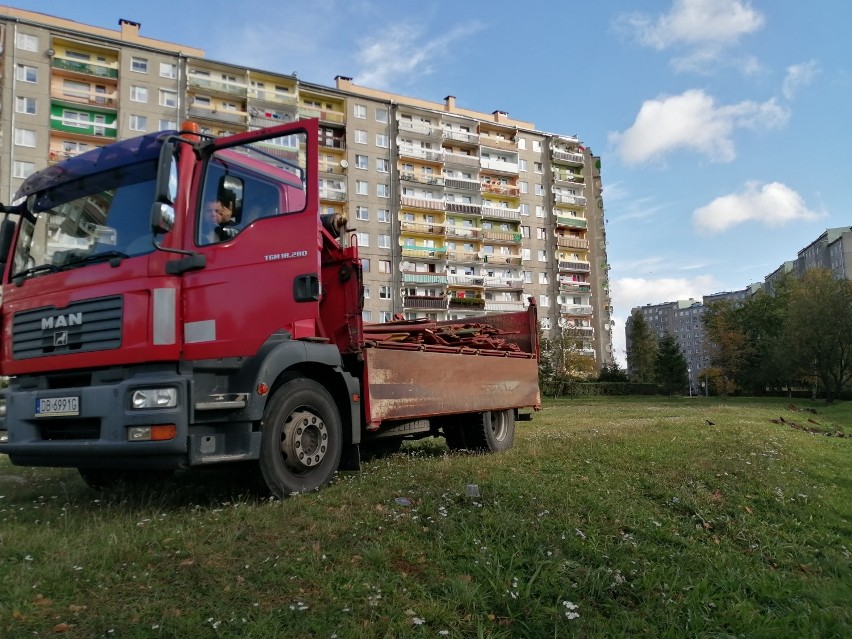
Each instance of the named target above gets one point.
<point>57,406</point>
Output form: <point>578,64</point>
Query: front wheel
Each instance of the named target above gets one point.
<point>300,439</point>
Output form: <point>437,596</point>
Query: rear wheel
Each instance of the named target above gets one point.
<point>301,438</point>
<point>489,431</point>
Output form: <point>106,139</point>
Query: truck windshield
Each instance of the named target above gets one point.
<point>94,218</point>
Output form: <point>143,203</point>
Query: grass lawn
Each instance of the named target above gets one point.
<point>611,517</point>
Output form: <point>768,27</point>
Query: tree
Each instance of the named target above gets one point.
<point>612,373</point>
<point>818,332</point>
<point>727,341</point>
<point>563,358</point>
<point>642,348</point>
<point>670,365</point>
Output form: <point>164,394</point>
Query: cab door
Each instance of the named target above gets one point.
<point>261,276</point>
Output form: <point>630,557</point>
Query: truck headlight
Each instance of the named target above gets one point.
<point>144,398</point>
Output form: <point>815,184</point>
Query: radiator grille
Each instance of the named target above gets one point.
<point>90,325</point>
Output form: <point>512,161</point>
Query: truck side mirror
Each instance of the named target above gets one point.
<point>165,193</point>
<point>162,217</point>
<point>7,232</point>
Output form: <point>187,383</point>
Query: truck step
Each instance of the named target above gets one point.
<point>223,402</point>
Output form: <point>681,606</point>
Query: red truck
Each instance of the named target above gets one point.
<point>141,335</point>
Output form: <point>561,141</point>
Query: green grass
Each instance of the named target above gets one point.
<point>610,517</point>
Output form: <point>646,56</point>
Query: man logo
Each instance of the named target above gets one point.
<point>60,338</point>
<point>61,321</point>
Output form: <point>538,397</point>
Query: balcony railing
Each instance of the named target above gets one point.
<point>424,252</point>
<point>500,166</point>
<point>462,185</point>
<point>219,86</point>
<point>500,189</point>
<point>422,179</point>
<point>421,202</point>
<point>501,213</point>
<point>574,222</point>
<point>86,68</point>
<point>332,194</point>
<point>503,307</point>
<point>472,281</point>
<point>511,260</point>
<point>463,231</point>
<point>106,100</point>
<point>565,156</point>
<point>419,128</point>
<point>568,178</point>
<point>501,236</point>
<point>458,159</point>
<point>424,278</point>
<point>473,303</point>
<point>573,309</point>
<point>424,301</point>
<point>275,97</point>
<point>264,122</point>
<point>572,200</point>
<point>498,143</point>
<point>335,117</point>
<point>466,208</point>
<point>220,115</point>
<point>572,242</point>
<point>423,228</point>
<point>504,282</point>
<point>463,257</point>
<point>461,136</point>
<point>575,287</point>
<point>420,153</point>
<point>574,266</point>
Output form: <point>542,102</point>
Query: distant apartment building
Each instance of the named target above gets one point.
<point>457,213</point>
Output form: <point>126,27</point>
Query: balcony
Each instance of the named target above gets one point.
<point>430,180</point>
<point>84,68</point>
<point>458,159</point>
<point>511,260</point>
<point>424,252</point>
<point>504,282</point>
<point>499,166</point>
<point>205,112</point>
<point>83,128</point>
<point>575,287</point>
<point>462,137</point>
<point>503,237</point>
<point>503,307</point>
<point>575,309</point>
<point>499,188</point>
<point>568,178</point>
<point>331,166</point>
<point>572,243</point>
<point>88,98</point>
<point>498,143</point>
<point>273,97</point>
<point>500,213</point>
<point>465,208</point>
<point>222,87</point>
<point>424,302</point>
<point>335,195</point>
<point>570,200</point>
<point>324,115</point>
<point>467,281</point>
<point>463,257</point>
<point>472,303</point>
<point>576,159</point>
<point>266,119</point>
<point>582,267</point>
<point>421,203</point>
<point>423,278</point>
<point>466,232</point>
<point>420,153</point>
<point>419,128</point>
<point>571,222</point>
<point>462,185</point>
<point>421,228</point>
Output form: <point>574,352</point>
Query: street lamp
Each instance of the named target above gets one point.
<point>689,374</point>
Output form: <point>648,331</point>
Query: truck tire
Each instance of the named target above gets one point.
<point>301,438</point>
<point>492,432</point>
<point>107,478</point>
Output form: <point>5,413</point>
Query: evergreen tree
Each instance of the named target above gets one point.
<point>670,366</point>
<point>642,349</point>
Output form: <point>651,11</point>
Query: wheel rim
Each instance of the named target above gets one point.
<point>499,427</point>
<point>304,440</point>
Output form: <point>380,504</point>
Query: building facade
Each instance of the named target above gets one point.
<point>457,213</point>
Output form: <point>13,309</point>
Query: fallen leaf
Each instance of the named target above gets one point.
<point>466,578</point>
<point>379,507</point>
<point>187,562</point>
<point>76,608</point>
<point>62,627</point>
<point>17,615</point>
<point>749,510</point>
<point>41,600</point>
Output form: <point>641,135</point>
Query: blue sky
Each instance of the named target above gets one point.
<point>723,126</point>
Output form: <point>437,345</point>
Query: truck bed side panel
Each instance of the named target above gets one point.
<point>411,384</point>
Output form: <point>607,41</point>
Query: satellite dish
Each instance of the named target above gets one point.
<point>344,163</point>
<point>405,266</point>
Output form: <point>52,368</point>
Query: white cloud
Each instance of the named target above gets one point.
<point>799,76</point>
<point>692,121</point>
<point>630,292</point>
<point>702,29</point>
<point>772,204</point>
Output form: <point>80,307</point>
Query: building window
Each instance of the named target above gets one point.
<point>382,190</point>
<point>362,162</point>
<point>382,115</point>
<point>138,123</point>
<point>367,316</point>
<point>360,111</point>
<point>25,105</point>
<point>385,293</point>
<point>386,316</point>
<point>524,187</point>
<point>22,169</point>
<point>138,94</point>
<point>139,65</point>
<point>75,119</point>
<point>542,278</point>
<point>528,277</point>
<point>537,145</point>
<point>360,136</point>
<point>365,264</point>
<point>542,255</point>
<point>544,301</point>
<point>538,167</point>
<point>362,213</point>
<point>526,255</point>
<point>382,140</point>
<point>542,233</point>
<point>168,98</point>
<point>525,209</point>
<point>362,187</point>
<point>25,137</point>
<point>522,165</point>
<point>26,42</point>
<point>25,73</point>
<point>384,241</point>
<point>168,125</point>
<point>383,215</point>
<point>384,266</point>
<point>382,165</point>
<point>522,144</point>
<point>366,292</point>
<point>539,189</point>
<point>539,210</point>
<point>168,70</point>
<point>363,239</point>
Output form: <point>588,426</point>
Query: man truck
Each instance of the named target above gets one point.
<point>138,338</point>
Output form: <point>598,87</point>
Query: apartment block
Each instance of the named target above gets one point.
<point>457,213</point>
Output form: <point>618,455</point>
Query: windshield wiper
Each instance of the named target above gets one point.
<point>19,277</point>
<point>114,258</point>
